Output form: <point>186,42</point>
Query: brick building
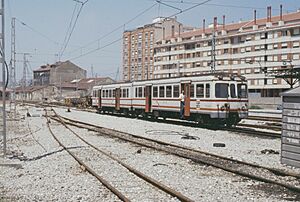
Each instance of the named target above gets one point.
<point>138,45</point>
<point>57,73</point>
<point>249,48</point>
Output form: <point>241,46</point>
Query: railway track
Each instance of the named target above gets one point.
<point>262,118</point>
<point>242,127</point>
<point>273,176</point>
<point>154,184</point>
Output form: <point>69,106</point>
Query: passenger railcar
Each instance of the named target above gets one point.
<point>213,99</point>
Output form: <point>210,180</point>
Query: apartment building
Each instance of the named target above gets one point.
<point>248,48</point>
<point>138,47</point>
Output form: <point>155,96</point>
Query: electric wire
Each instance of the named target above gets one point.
<point>37,32</point>
<point>116,29</point>
<point>217,5</point>
<point>70,25</point>
<point>73,28</point>
<point>178,13</point>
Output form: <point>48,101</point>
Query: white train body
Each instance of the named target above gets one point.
<point>209,98</point>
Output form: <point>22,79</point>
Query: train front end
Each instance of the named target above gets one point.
<point>231,100</point>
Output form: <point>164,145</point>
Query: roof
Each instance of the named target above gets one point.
<point>48,67</point>
<point>29,89</point>
<point>292,92</point>
<point>245,25</point>
<point>8,90</point>
<point>84,84</point>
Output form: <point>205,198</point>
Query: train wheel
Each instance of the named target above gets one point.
<point>155,114</point>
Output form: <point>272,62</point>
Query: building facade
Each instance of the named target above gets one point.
<point>138,47</point>
<point>249,48</point>
<point>57,73</point>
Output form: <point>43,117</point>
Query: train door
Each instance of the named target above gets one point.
<point>187,98</point>
<point>99,98</point>
<point>117,99</point>
<point>148,99</point>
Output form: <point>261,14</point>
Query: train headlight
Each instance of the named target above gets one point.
<point>244,108</point>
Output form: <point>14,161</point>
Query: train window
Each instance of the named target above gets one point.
<point>200,90</point>
<point>140,91</point>
<point>114,93</point>
<point>123,92</point>
<point>144,91</point>
<point>136,92</point>
<point>221,90</point>
<point>242,90</point>
<point>176,91</point>
<point>161,91</point>
<point>232,91</point>
<point>155,92</point>
<point>110,94</point>
<point>127,92</point>
<point>192,94</point>
<point>207,90</point>
<point>106,93</point>
<point>168,91</point>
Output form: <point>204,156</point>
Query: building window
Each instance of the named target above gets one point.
<point>296,57</point>
<point>284,33</point>
<point>284,57</point>
<point>296,44</point>
<point>284,45</point>
<point>296,32</point>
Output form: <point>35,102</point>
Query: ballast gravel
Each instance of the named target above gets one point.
<point>49,173</point>
<point>238,146</point>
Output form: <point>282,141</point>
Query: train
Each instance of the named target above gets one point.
<point>218,99</point>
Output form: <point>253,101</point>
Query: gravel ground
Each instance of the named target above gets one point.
<point>49,174</point>
<point>238,146</point>
<point>198,182</point>
<point>127,183</point>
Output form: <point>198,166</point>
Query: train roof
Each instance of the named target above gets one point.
<point>200,77</point>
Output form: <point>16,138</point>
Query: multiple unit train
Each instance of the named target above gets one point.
<point>211,99</point>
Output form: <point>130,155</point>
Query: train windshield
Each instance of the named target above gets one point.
<point>221,90</point>
<point>242,91</point>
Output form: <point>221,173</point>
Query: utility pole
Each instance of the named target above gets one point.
<point>213,47</point>
<point>3,75</point>
<point>13,62</point>
<point>92,71</point>
<point>24,80</point>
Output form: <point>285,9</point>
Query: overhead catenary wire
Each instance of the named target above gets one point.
<point>217,5</point>
<point>116,29</point>
<point>72,29</point>
<point>70,24</point>
<point>177,13</point>
<point>37,32</point>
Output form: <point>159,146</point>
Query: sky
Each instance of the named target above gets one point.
<point>42,27</point>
